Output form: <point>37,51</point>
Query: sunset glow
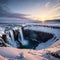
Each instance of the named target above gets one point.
<point>35,9</point>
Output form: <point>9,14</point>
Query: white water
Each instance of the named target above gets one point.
<point>12,38</point>
<point>24,42</point>
<point>11,41</point>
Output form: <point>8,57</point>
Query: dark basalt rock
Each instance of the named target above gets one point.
<point>55,54</point>
<point>16,33</point>
<point>2,42</point>
<point>4,37</point>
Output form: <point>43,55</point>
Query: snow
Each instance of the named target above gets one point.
<point>56,44</point>
<point>44,24</point>
<point>13,53</point>
<point>55,32</point>
<point>42,51</point>
<point>47,44</point>
<point>45,29</point>
<point>3,58</point>
<point>9,53</point>
<point>1,31</point>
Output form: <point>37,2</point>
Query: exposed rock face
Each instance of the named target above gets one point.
<point>2,43</point>
<point>4,37</point>
<point>16,33</point>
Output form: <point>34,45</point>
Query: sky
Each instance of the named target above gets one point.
<point>35,9</point>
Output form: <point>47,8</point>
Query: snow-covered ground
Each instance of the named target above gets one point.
<point>48,29</point>
<point>9,53</point>
<point>46,44</point>
<point>45,24</point>
<point>44,51</point>
<point>45,29</point>
<point>1,30</point>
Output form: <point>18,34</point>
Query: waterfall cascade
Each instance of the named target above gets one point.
<point>10,39</point>
<point>24,42</point>
<point>20,39</point>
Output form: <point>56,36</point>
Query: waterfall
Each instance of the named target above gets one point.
<point>21,35</point>
<point>10,39</point>
<point>24,42</point>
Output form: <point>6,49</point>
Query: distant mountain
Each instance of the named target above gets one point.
<point>55,20</point>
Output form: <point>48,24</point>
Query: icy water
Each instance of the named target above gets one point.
<point>31,45</point>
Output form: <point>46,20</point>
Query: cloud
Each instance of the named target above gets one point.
<point>47,4</point>
<point>4,13</point>
<point>50,10</point>
<point>58,0</point>
<point>55,8</point>
<point>3,1</point>
<point>13,15</point>
<point>57,16</point>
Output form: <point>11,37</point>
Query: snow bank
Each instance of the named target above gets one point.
<point>46,44</point>
<point>3,58</point>
<point>9,53</point>
<point>1,31</point>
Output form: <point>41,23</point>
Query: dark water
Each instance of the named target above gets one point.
<point>35,38</point>
<point>31,45</point>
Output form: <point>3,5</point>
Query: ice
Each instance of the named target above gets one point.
<point>1,31</point>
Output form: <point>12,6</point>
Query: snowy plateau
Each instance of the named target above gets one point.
<point>15,41</point>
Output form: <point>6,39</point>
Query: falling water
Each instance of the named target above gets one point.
<point>12,41</point>
<point>24,42</point>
